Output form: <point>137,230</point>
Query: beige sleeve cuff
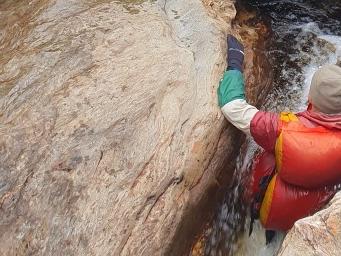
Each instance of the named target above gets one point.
<point>239,113</point>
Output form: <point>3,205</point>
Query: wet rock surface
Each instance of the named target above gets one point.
<point>111,139</point>
<point>319,234</point>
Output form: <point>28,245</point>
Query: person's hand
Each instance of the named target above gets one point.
<point>235,53</point>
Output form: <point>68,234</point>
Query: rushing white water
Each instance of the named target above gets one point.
<point>310,69</point>
<point>301,46</point>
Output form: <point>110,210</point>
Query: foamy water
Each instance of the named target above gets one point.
<point>309,70</point>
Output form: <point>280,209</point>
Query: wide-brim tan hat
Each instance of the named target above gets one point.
<point>325,89</point>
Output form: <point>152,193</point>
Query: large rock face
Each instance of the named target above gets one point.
<point>111,139</point>
<point>319,234</point>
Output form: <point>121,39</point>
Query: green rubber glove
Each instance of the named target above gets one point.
<point>231,87</point>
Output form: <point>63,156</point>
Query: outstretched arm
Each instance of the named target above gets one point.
<point>247,118</point>
<point>231,94</point>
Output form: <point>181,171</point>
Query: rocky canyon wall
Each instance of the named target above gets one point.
<point>112,142</point>
<point>111,139</point>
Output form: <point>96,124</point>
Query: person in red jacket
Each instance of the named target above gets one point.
<point>296,174</point>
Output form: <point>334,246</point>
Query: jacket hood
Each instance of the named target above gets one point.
<point>325,120</point>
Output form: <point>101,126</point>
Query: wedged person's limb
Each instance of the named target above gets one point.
<point>232,101</point>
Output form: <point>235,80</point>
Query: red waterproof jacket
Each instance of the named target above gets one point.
<point>292,194</point>
<point>264,125</point>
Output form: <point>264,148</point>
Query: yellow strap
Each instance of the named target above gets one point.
<point>288,116</point>
<point>285,117</point>
<point>279,152</point>
<point>267,202</point>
